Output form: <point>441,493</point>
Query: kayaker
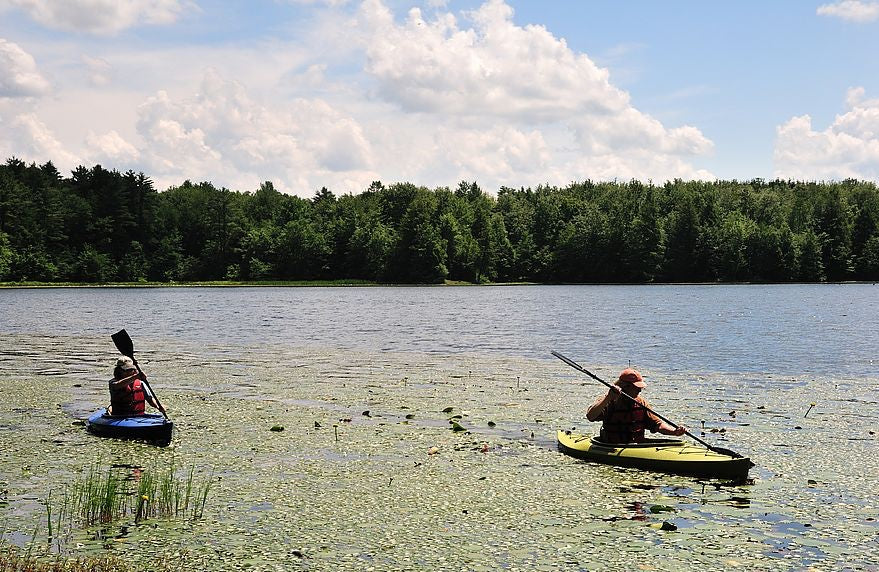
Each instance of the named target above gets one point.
<point>127,391</point>
<point>624,420</point>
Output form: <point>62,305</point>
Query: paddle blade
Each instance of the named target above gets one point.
<point>123,343</point>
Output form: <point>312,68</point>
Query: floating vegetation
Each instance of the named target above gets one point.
<point>457,427</point>
<point>361,493</point>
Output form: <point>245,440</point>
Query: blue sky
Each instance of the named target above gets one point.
<point>339,93</point>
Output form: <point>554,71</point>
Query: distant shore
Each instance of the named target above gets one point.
<point>361,283</point>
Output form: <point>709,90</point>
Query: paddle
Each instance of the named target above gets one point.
<point>579,368</point>
<point>126,347</point>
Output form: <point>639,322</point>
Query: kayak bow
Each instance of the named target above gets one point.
<point>662,455</point>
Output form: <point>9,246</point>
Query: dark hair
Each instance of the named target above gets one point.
<point>118,372</point>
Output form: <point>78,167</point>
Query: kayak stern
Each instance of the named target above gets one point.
<point>147,427</point>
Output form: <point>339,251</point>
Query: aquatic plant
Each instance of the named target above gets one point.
<point>12,560</point>
<point>102,496</point>
<point>164,495</point>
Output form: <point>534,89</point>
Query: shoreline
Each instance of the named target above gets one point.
<point>367,283</point>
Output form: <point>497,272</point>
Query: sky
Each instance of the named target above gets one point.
<point>518,93</point>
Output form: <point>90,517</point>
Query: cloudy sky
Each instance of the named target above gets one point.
<point>340,93</point>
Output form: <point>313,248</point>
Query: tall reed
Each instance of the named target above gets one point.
<point>102,496</point>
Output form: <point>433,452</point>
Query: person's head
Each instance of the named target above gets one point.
<point>124,367</point>
<point>631,382</point>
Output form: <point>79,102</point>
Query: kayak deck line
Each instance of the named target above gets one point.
<point>662,455</point>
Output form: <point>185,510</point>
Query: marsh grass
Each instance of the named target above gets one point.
<point>163,494</point>
<point>104,496</point>
<point>13,560</point>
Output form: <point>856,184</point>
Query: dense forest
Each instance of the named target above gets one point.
<point>102,226</point>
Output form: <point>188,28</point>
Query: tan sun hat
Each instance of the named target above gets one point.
<point>125,363</point>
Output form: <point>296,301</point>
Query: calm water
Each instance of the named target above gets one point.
<point>778,329</point>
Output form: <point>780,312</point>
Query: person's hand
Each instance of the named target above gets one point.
<point>679,430</point>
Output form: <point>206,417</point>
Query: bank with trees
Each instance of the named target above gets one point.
<point>98,225</point>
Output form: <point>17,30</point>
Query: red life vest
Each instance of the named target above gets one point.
<point>625,421</point>
<point>128,399</point>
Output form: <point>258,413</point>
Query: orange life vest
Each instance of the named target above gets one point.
<point>625,421</point>
<point>128,399</point>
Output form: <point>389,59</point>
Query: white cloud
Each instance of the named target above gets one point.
<point>111,146</point>
<point>102,17</point>
<point>851,10</point>
<point>528,80</point>
<point>36,142</point>
<point>502,154</point>
<point>848,148</point>
<point>440,98</point>
<point>99,70</point>
<point>19,76</point>
<point>494,68</point>
<point>223,134</point>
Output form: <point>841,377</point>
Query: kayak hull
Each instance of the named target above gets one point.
<point>147,427</point>
<point>661,455</point>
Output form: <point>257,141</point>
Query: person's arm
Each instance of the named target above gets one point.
<point>657,425</point>
<point>123,381</point>
<point>599,406</point>
<point>152,402</point>
<point>667,429</point>
<point>148,395</point>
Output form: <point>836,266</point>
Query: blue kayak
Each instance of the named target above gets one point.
<point>147,427</point>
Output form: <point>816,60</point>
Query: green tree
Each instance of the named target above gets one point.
<point>6,255</point>
<point>682,230</point>
<point>583,248</point>
<point>810,262</point>
<point>421,255</point>
<point>869,260</point>
<point>731,254</point>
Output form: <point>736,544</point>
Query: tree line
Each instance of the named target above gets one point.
<point>100,225</point>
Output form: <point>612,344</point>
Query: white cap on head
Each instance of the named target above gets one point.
<point>125,363</point>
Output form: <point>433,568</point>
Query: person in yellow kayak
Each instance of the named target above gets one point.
<point>624,420</point>
<point>127,391</point>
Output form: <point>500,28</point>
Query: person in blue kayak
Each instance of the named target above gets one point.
<point>127,392</point>
<point>625,420</point>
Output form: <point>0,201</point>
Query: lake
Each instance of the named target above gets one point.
<point>367,473</point>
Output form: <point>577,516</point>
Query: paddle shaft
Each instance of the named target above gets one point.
<point>126,347</point>
<point>580,368</point>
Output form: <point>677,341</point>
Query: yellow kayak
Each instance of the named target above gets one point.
<point>663,455</point>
